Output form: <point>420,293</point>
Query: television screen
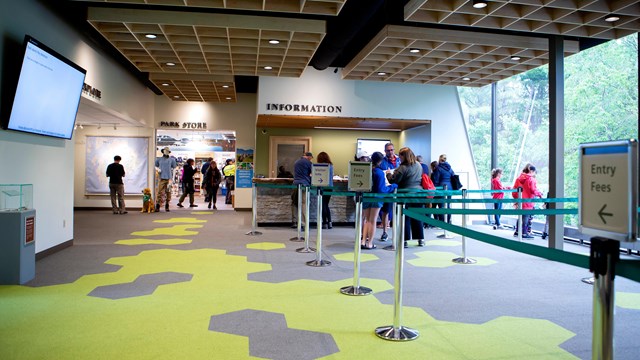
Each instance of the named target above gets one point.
<point>366,147</point>
<point>48,92</point>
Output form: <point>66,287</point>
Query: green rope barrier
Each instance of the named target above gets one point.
<point>440,211</point>
<point>276,186</point>
<point>629,269</point>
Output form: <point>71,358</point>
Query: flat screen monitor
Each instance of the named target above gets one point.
<point>367,147</point>
<point>48,93</point>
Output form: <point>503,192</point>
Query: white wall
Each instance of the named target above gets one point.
<point>373,99</point>
<point>239,116</point>
<point>48,163</point>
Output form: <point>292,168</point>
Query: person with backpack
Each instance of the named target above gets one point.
<point>442,177</point>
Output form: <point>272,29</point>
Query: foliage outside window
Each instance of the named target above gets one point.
<point>601,104</point>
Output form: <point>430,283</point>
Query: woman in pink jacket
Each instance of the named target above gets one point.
<point>529,185</point>
<point>496,184</point>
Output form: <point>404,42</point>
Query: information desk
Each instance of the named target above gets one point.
<point>274,204</point>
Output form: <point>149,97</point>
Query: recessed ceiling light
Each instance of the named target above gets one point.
<point>466,78</point>
<point>165,84</point>
<point>151,36</point>
<point>228,98</point>
<point>611,18</point>
<point>225,86</point>
<point>479,4</point>
<point>171,64</point>
<point>515,58</point>
<point>414,50</point>
<point>176,96</point>
<point>274,41</point>
<point>382,73</point>
<point>268,67</point>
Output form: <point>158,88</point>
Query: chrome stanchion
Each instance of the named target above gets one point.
<point>444,234</point>
<point>306,248</point>
<point>602,262</point>
<point>356,289</point>
<point>464,259</point>
<point>298,237</point>
<point>519,207</point>
<point>393,226</point>
<point>318,261</point>
<point>397,332</point>
<point>254,205</point>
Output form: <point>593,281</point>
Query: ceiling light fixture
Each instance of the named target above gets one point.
<point>479,4</point>
<point>466,78</point>
<point>151,36</point>
<point>515,58</point>
<point>414,50</point>
<point>611,18</point>
<point>171,64</point>
<point>382,73</point>
<point>228,98</point>
<point>176,96</point>
<point>165,84</point>
<point>225,86</point>
<point>274,41</point>
<point>268,67</point>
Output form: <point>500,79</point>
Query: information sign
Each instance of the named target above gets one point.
<point>609,189</point>
<point>359,176</point>
<point>320,175</point>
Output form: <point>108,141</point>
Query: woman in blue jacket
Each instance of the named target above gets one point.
<point>442,177</point>
<point>371,209</point>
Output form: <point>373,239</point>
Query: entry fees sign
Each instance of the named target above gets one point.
<point>359,176</point>
<point>320,175</point>
<point>609,189</point>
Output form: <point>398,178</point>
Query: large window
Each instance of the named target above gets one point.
<point>601,103</point>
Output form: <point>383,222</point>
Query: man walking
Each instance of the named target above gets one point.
<point>166,165</point>
<point>115,173</point>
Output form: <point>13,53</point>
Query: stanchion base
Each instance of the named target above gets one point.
<point>319,263</point>
<point>297,239</point>
<point>389,248</point>
<point>306,250</point>
<point>253,233</point>
<point>356,290</point>
<point>464,260</point>
<point>397,334</point>
<point>589,280</point>
<point>445,236</point>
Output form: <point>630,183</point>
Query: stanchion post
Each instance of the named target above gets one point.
<point>604,254</point>
<point>519,207</point>
<point>306,248</point>
<point>464,259</point>
<point>444,235</point>
<point>254,212</point>
<point>356,289</point>
<point>397,332</point>
<point>318,261</point>
<point>298,237</point>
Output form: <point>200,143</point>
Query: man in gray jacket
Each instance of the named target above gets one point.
<point>166,165</point>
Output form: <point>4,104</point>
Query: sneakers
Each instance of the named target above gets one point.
<point>527,236</point>
<point>180,205</point>
<point>420,242</point>
<point>193,205</point>
<point>209,206</point>
<point>123,212</point>
<point>157,207</point>
<point>384,236</point>
<point>406,244</point>
<point>329,225</point>
<point>166,207</point>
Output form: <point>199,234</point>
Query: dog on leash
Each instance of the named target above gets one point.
<point>147,201</point>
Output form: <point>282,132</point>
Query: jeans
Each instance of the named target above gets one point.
<point>497,206</point>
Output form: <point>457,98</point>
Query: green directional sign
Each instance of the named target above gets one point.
<point>609,189</point>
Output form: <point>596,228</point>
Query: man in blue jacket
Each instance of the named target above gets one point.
<point>302,169</point>
<point>390,162</point>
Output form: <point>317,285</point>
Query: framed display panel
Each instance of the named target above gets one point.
<point>100,151</point>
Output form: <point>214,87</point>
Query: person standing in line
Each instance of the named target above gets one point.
<point>496,184</point>
<point>203,171</point>
<point>425,167</point>
<point>166,165</point>
<point>187,179</point>
<point>115,173</point>
<point>529,191</point>
<point>323,158</point>
<point>302,169</point>
<point>229,172</point>
<point>370,210</point>
<point>442,177</point>
<point>212,180</point>
<point>390,162</point>
<point>409,176</point>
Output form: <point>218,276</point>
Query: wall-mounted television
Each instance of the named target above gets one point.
<point>48,93</point>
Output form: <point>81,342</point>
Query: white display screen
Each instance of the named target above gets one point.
<point>48,93</point>
<point>369,146</point>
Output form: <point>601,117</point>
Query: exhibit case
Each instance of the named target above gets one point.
<point>16,197</point>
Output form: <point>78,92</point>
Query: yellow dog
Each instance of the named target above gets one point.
<point>147,201</point>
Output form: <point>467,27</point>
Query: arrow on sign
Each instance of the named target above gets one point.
<point>360,183</point>
<point>602,214</point>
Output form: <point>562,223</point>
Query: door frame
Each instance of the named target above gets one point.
<point>274,141</point>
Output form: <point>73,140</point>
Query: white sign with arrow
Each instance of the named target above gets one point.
<point>359,176</point>
<point>609,189</point>
<point>320,176</point>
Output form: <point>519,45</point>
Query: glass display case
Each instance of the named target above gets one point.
<point>16,197</point>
